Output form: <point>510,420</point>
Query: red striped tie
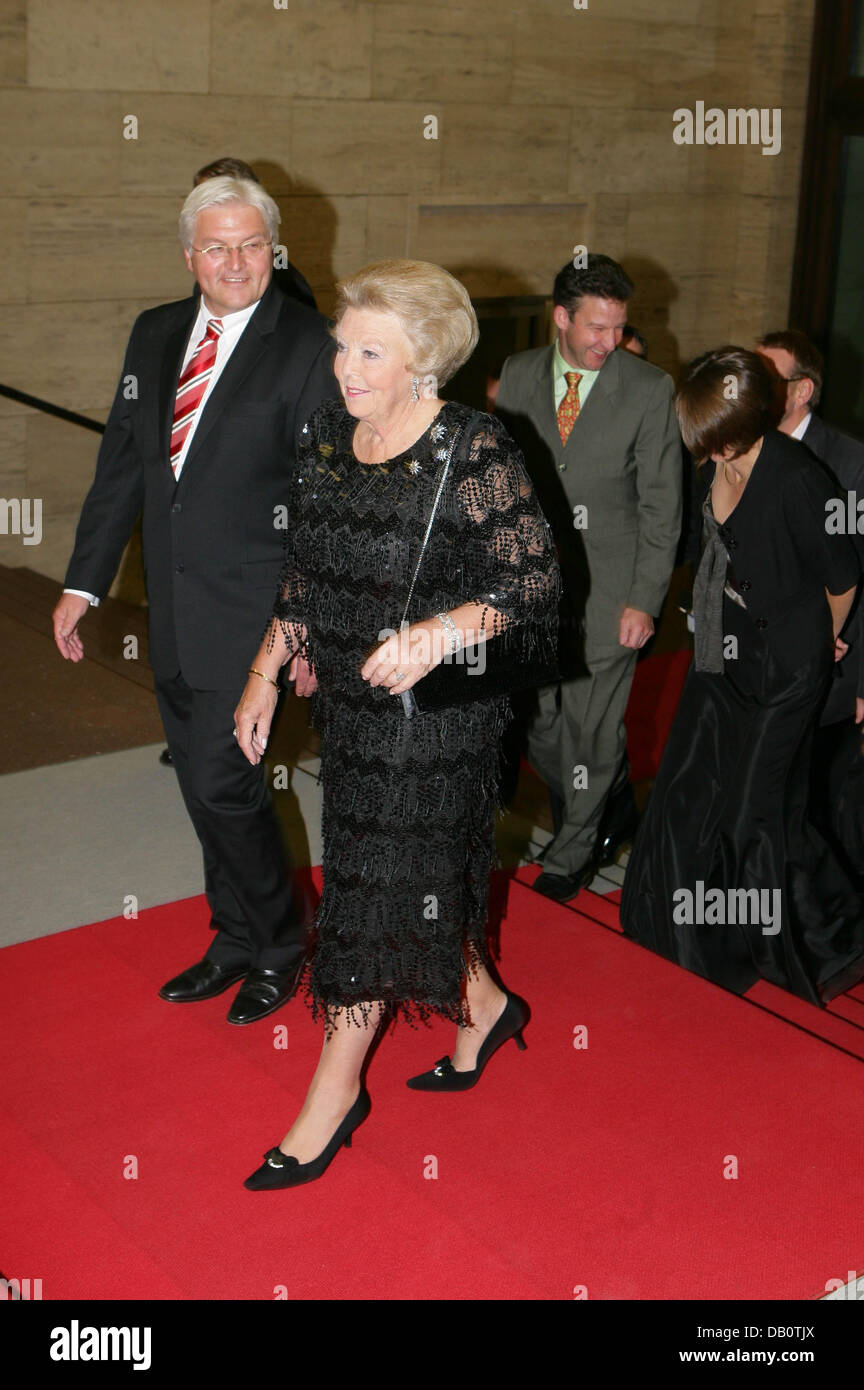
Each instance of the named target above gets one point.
<point>191,388</point>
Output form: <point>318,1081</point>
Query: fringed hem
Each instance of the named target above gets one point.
<point>392,1005</point>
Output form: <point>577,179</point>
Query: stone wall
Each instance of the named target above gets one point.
<point>554,129</point>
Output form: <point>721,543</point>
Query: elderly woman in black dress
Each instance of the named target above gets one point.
<point>408,801</point>
<point>726,876</point>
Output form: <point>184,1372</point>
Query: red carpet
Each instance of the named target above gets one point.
<point>599,1167</point>
<point>654,695</point>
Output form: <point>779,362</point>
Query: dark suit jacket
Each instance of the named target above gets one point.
<point>844,457</point>
<point>781,557</point>
<point>212,547</point>
<point>294,285</point>
<point>622,463</point>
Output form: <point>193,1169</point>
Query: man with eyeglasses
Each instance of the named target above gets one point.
<point>202,436</point>
<point>287,276</point>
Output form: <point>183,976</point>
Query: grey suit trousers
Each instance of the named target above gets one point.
<point>577,743</point>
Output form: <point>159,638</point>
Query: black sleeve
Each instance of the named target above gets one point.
<point>823,551</point>
<point>508,546</point>
<point>292,592</point>
<point>114,500</point>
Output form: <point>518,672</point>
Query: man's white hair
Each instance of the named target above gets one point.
<point>216,192</point>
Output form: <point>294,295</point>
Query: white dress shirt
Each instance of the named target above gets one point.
<point>801,429</point>
<point>232,329</point>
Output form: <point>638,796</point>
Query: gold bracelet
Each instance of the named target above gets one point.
<point>269,679</point>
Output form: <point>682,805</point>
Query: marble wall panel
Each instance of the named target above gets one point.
<point>615,150</point>
<point>59,143</point>
<point>388,227</point>
<point>311,48</point>
<point>179,134</point>
<point>515,151</point>
<point>13,43</point>
<point>366,147</point>
<point>61,459</point>
<point>105,248</point>
<point>504,249</point>
<point>437,53</point>
<point>68,353</point>
<point>13,455</point>
<point>13,237</point>
<point>98,45</point>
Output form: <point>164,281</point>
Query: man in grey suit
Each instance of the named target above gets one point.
<point>598,431</point>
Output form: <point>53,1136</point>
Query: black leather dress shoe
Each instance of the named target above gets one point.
<point>262,992</point>
<point>612,844</point>
<point>562,887</point>
<point>617,829</point>
<point>204,980</point>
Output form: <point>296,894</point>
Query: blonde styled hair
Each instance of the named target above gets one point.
<point>433,309</point>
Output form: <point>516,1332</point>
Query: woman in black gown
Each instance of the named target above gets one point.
<point>408,802</point>
<point>727,877</point>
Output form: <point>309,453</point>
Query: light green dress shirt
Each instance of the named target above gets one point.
<point>559,380</point>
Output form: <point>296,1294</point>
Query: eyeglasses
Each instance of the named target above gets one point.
<point>217,252</point>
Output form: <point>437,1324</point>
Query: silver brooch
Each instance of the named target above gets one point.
<point>438,432</point>
<point>440,455</point>
<point>413,466</point>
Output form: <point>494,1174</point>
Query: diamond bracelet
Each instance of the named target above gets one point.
<point>450,630</point>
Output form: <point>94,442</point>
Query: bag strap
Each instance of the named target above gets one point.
<point>441,481</point>
<point>409,704</point>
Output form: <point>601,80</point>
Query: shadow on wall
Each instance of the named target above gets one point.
<point>649,310</point>
<point>308,228</point>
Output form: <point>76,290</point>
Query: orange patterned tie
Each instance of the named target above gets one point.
<point>569,407</point>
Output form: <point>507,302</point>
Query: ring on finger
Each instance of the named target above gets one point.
<point>400,675</point>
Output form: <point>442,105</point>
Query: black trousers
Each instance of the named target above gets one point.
<point>258,918</point>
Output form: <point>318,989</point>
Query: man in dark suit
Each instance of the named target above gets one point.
<point>835,787</point>
<point>202,434</point>
<point>799,368</point>
<point>598,431</point>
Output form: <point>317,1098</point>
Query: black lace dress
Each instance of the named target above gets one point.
<point>408,803</point>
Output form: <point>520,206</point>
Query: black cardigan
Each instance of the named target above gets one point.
<point>781,557</point>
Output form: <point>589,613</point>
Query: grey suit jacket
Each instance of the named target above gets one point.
<point>622,464</point>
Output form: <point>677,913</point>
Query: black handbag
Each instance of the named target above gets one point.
<point>488,670</point>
